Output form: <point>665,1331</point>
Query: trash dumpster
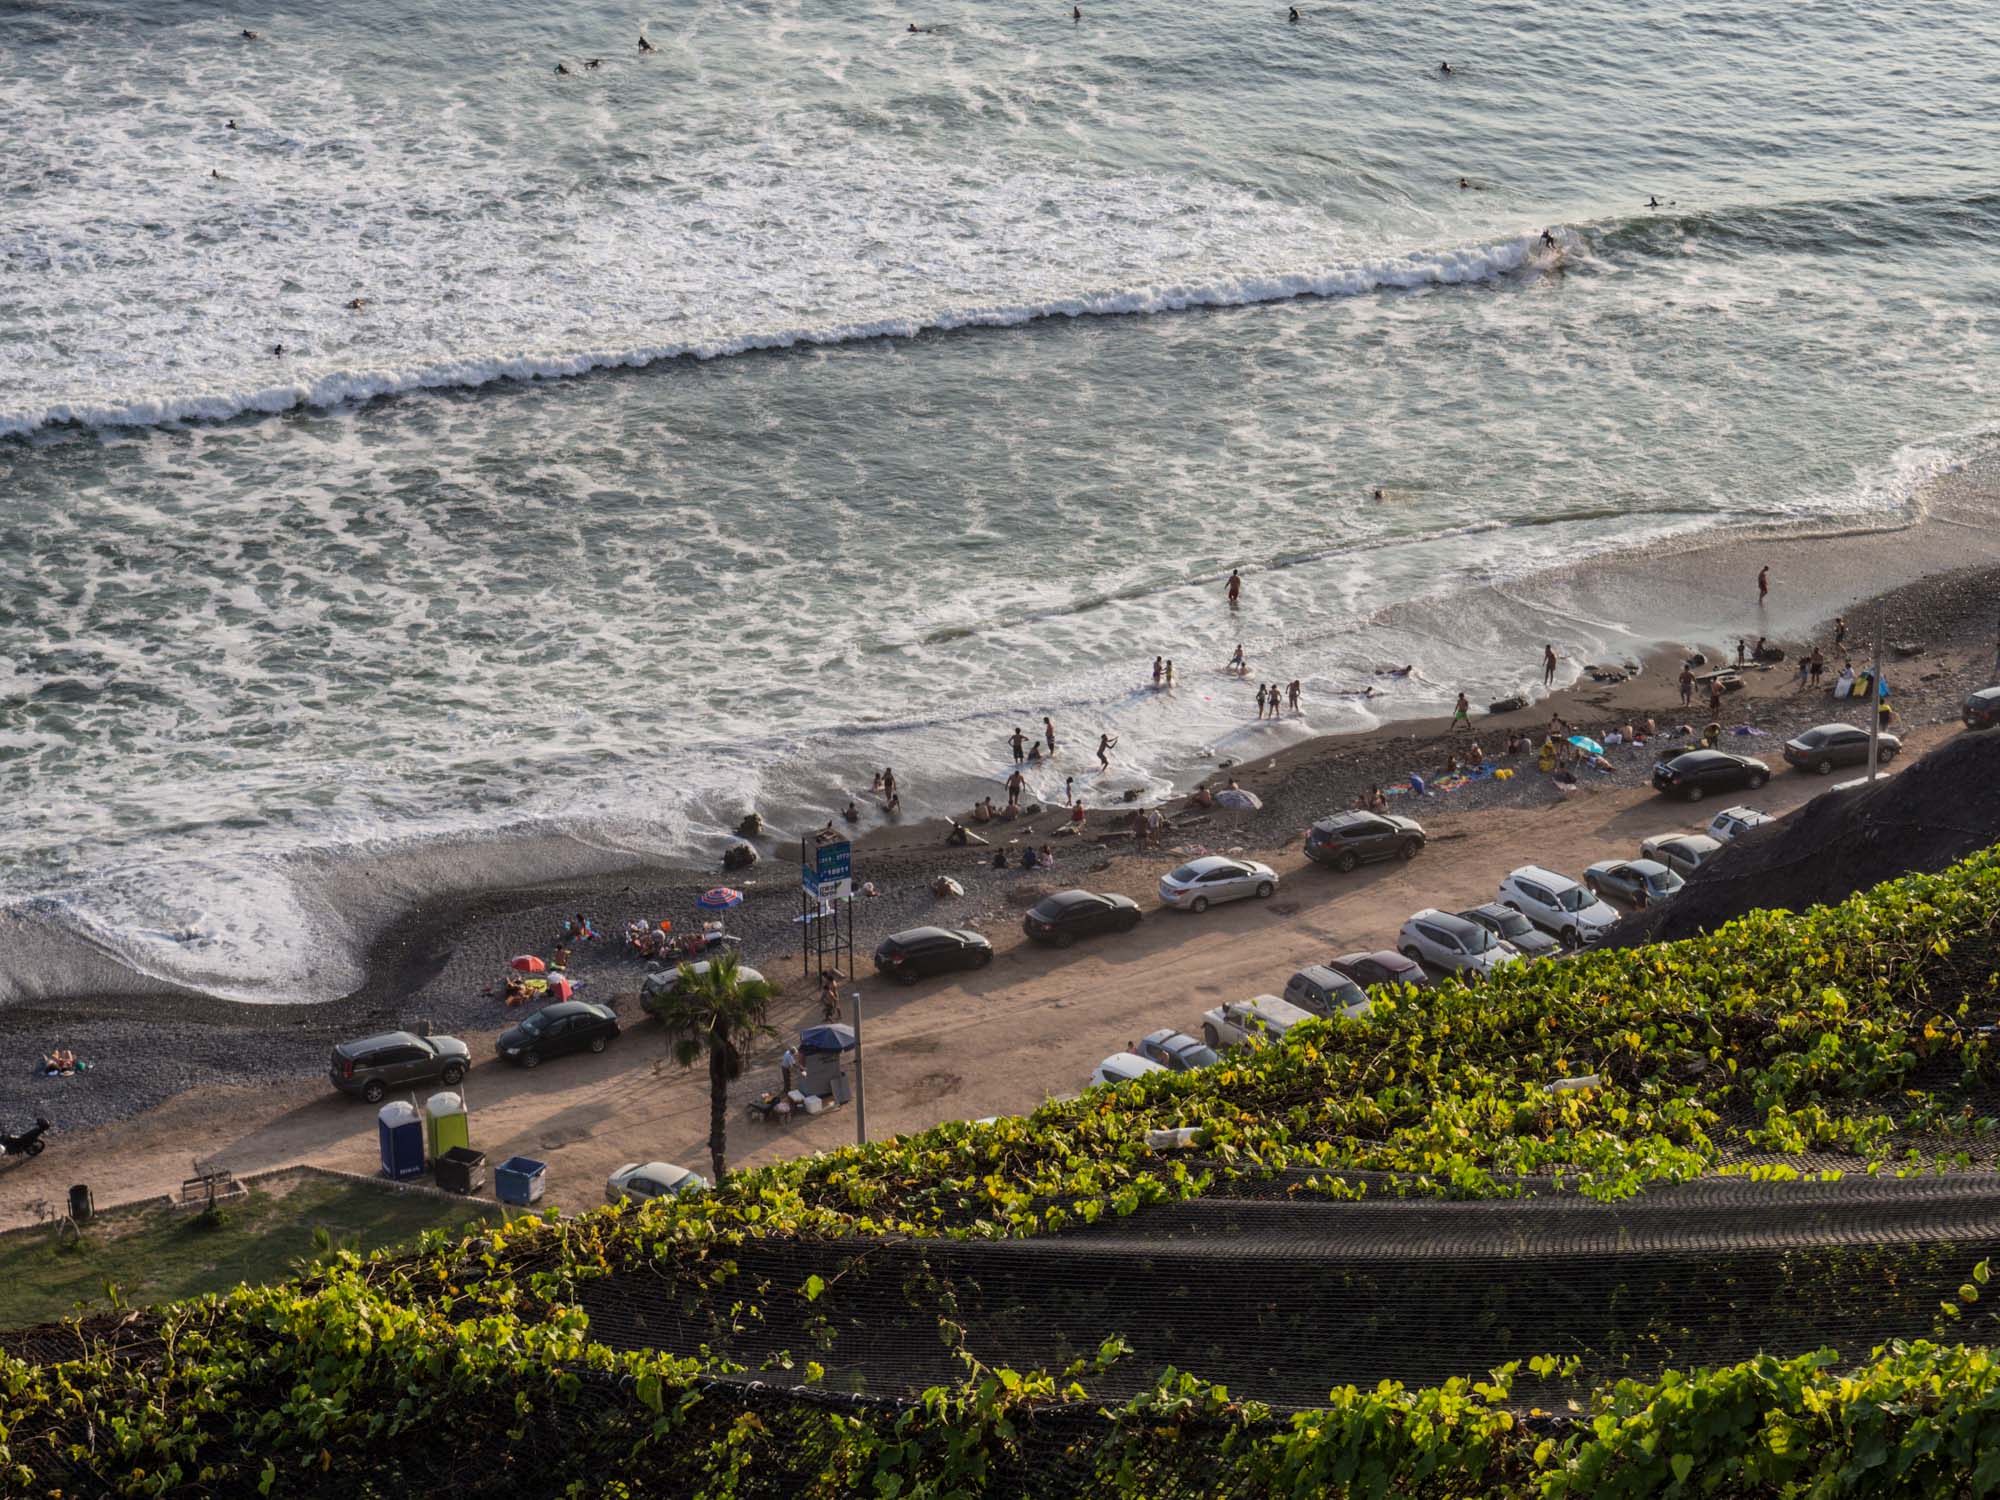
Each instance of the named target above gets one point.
<point>402,1135</point>
<point>446,1123</point>
<point>518,1179</point>
<point>461,1170</point>
<point>81,1205</point>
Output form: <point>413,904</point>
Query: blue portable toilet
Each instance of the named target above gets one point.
<point>402,1132</point>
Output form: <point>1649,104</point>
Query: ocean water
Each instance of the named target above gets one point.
<point>809,395</point>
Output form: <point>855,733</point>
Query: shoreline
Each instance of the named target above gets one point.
<point>406,929</point>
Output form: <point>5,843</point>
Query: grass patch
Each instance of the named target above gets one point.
<point>157,1254</point>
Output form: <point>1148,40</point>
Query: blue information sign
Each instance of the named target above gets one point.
<point>831,873</point>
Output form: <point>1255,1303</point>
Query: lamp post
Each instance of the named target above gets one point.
<point>860,1100</point>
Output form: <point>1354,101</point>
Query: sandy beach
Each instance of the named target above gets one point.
<point>174,1077</point>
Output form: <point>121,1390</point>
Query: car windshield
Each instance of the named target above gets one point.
<point>1197,1056</point>
<point>533,1024</point>
<point>1576,898</point>
<point>1663,881</point>
<point>1514,925</point>
<point>1478,939</point>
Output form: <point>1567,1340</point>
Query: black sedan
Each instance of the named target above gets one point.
<point>1176,1051</point>
<point>1982,709</point>
<point>1383,967</point>
<point>1513,929</point>
<point>910,956</point>
<point>1696,773</point>
<point>1833,745</point>
<point>1068,915</point>
<point>572,1026</point>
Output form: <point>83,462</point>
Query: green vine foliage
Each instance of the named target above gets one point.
<point>1844,1039</point>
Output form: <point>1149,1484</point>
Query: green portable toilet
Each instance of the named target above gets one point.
<point>445,1123</point>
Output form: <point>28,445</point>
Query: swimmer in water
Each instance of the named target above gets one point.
<point>644,45</point>
<point>215,174</point>
<point>1378,494</point>
<point>1548,240</point>
<point>232,124</point>
<point>1652,202</point>
<point>357,304</point>
<point>595,62</point>
<point>1294,16</point>
<point>249,35</point>
<point>1465,182</point>
<point>1445,68</point>
<point>1076,13</point>
<point>563,69</point>
<point>278,350</point>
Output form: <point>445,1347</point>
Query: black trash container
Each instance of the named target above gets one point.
<point>461,1170</point>
<point>80,1206</point>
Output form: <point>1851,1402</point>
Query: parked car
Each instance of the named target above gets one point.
<point>1513,929</point>
<point>1265,1017</point>
<point>1732,821</point>
<point>1384,966</point>
<point>1068,915</point>
<point>1452,944</point>
<point>571,1026</point>
<point>665,984</point>
<point>1557,904</point>
<point>921,951</point>
<point>1636,883</point>
<point>1201,883</point>
<point>1981,710</point>
<point>1318,989</point>
<point>1123,1067</point>
<point>397,1059</point>
<point>1696,773</point>
<point>1683,853</point>
<point>652,1179</point>
<point>1354,838</point>
<point>1176,1051</point>
<point>1831,745</point>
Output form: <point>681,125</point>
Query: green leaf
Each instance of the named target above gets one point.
<point>1683,1465</point>
<point>814,1286</point>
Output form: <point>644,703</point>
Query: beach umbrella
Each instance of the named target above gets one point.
<point>719,897</point>
<point>1586,743</point>
<point>527,963</point>
<point>560,988</point>
<point>1235,796</point>
<point>832,1038</point>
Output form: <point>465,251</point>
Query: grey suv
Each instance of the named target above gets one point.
<point>376,1064</point>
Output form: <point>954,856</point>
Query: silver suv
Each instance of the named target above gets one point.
<point>376,1064</point>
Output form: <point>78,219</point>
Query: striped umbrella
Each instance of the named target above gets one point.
<point>720,897</point>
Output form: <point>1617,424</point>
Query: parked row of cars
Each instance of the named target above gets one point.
<point>1694,774</point>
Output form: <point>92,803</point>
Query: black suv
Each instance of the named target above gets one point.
<point>909,956</point>
<point>1068,915</point>
<point>1698,772</point>
<point>1353,838</point>
<point>376,1064</point>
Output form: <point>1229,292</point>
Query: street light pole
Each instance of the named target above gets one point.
<point>860,1100</point>
<point>1875,706</point>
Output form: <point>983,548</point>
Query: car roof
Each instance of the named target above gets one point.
<point>384,1039</point>
<point>1450,921</point>
<point>1834,728</point>
<point>1984,693</point>
<point>1071,897</point>
<point>1325,978</point>
<point>914,935</point>
<point>1277,1008</point>
<point>571,1008</point>
<point>1543,876</point>
<point>1130,1062</point>
<point>1165,1036</point>
<point>1208,862</point>
<point>1387,957</point>
<point>1490,909</point>
<point>1703,757</point>
<point>1648,866</point>
<point>1347,819</point>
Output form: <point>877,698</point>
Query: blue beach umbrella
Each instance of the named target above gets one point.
<point>1586,743</point>
<point>831,1038</point>
<point>720,897</point>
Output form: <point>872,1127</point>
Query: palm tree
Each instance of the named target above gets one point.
<point>718,1012</point>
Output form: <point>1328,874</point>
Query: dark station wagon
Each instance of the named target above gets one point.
<point>909,956</point>
<point>1354,838</point>
<point>397,1059</point>
<point>1068,915</point>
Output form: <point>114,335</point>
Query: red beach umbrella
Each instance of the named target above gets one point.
<point>527,963</point>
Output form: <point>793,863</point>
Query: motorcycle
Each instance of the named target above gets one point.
<point>27,1143</point>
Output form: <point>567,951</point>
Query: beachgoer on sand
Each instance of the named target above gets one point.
<point>1461,713</point>
<point>1687,685</point>
<point>1763,582</point>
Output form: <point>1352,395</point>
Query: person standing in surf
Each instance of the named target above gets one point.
<point>1461,713</point>
<point>1106,743</point>
<point>1260,700</point>
<point>1049,732</point>
<point>1548,664</point>
<point>1763,584</point>
<point>1020,743</point>
<point>1234,588</point>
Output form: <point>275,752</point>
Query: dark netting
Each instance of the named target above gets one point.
<point>1284,1300</point>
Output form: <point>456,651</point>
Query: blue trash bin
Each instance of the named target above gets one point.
<point>518,1179</point>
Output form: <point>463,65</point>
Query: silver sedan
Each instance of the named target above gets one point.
<point>1201,883</point>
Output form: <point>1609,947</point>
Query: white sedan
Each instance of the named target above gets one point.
<point>651,1179</point>
<point>1200,883</point>
<point>1123,1067</point>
